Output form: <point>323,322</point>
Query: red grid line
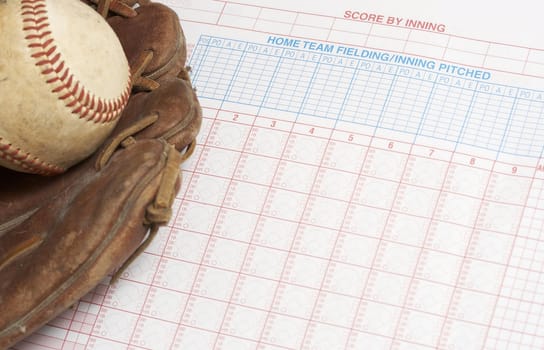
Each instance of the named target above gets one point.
<point>330,258</point>
<point>375,257</point>
<point>418,261</point>
<point>508,263</point>
<point>444,331</point>
<point>221,13</point>
<point>71,320</point>
<point>290,250</point>
<point>194,281</point>
<point>239,273</point>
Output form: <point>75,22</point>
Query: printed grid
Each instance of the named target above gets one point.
<point>291,236</point>
<point>499,118</point>
<point>220,301</point>
<point>259,260</point>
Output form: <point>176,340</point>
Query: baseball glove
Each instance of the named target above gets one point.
<point>60,236</point>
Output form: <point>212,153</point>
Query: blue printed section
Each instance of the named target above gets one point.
<point>404,95</point>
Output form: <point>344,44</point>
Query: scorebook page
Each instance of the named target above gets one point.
<point>369,175</point>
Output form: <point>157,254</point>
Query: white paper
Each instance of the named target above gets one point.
<point>359,184</point>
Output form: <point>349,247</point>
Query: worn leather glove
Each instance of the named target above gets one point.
<point>60,236</point>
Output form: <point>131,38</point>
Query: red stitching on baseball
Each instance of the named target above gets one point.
<point>68,89</point>
<point>22,159</point>
<point>36,36</point>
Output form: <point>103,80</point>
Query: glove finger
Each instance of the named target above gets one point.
<point>177,108</point>
<point>155,30</point>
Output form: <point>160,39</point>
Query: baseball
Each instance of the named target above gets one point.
<point>64,79</point>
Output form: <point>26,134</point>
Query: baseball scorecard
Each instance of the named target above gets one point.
<point>368,176</point>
